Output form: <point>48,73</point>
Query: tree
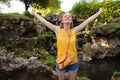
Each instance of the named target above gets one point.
<point>52,7</point>
<point>84,10</point>
<point>27,3</point>
<point>4,1</point>
<point>7,2</point>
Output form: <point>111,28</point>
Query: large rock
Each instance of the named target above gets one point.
<point>103,47</point>
<point>17,68</point>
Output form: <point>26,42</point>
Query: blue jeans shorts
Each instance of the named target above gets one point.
<point>72,68</point>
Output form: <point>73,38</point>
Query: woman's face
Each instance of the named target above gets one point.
<point>67,18</point>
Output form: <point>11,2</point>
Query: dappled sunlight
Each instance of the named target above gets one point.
<point>104,43</point>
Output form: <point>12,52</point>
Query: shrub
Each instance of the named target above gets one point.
<point>27,13</point>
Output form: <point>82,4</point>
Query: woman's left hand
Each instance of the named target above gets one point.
<point>101,9</point>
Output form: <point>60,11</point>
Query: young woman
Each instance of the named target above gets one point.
<point>62,32</point>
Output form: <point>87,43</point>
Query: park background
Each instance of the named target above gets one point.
<point>28,48</point>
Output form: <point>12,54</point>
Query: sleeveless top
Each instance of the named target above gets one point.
<point>62,44</point>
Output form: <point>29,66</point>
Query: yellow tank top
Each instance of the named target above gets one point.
<point>62,43</point>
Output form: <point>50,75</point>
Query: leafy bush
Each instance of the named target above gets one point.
<point>14,16</point>
<point>41,54</point>
<point>84,10</point>
<point>43,36</point>
<point>117,27</point>
<point>27,13</point>
<point>28,54</point>
<point>116,76</point>
<point>10,46</point>
<point>47,59</point>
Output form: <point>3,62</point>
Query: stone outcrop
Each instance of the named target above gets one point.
<point>116,76</point>
<point>17,68</point>
<point>105,42</point>
<point>19,33</point>
<point>102,48</point>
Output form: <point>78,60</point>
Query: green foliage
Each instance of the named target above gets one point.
<point>4,1</point>
<point>117,73</point>
<point>117,29</point>
<point>80,20</point>
<point>27,13</point>
<point>111,10</point>
<point>27,3</point>
<point>46,38</point>
<point>116,76</point>
<point>43,36</point>
<point>84,9</point>
<point>48,59</point>
<point>29,54</point>
<point>10,46</point>
<point>41,54</point>
<point>52,7</point>
<point>88,50</point>
<point>112,29</point>
<point>14,16</point>
<point>82,37</point>
<point>118,32</point>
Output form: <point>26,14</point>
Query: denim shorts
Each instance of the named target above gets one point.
<point>72,68</point>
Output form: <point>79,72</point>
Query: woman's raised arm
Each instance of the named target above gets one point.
<point>85,23</point>
<point>45,22</point>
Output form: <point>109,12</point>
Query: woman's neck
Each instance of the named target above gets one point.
<point>66,27</point>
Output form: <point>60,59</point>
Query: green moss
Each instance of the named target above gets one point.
<point>41,55</point>
<point>45,35</point>
<point>28,14</point>
<point>14,16</point>
<point>10,46</point>
<point>88,50</point>
<point>48,59</point>
<point>116,76</point>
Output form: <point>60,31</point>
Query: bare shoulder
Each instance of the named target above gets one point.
<point>75,30</point>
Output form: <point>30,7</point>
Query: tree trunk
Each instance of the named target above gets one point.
<point>26,6</point>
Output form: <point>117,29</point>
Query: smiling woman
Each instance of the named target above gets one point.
<point>66,41</point>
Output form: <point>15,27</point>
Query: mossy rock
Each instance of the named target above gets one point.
<point>16,16</point>
<point>88,50</point>
<point>116,76</point>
